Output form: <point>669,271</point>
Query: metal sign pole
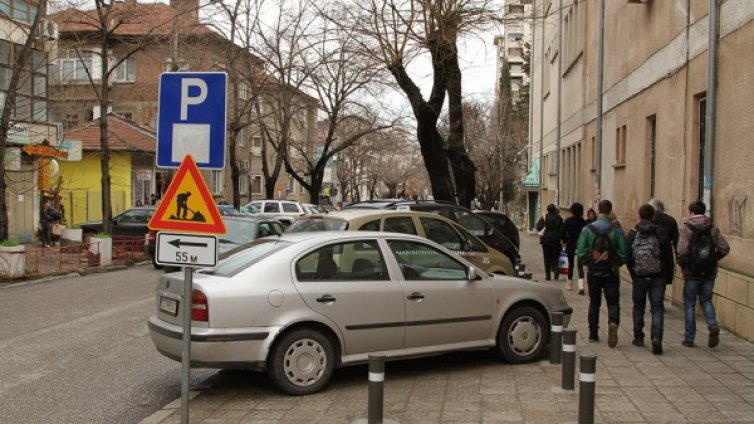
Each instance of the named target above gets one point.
<point>186,356</point>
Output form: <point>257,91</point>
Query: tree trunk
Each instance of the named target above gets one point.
<point>435,159</point>
<point>235,172</point>
<point>107,209</point>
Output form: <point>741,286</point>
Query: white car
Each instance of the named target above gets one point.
<point>300,305</point>
<point>276,207</point>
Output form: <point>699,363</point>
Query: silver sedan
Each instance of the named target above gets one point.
<point>300,305</point>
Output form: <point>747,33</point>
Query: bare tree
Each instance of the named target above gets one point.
<point>396,32</point>
<point>96,36</point>
<point>20,67</point>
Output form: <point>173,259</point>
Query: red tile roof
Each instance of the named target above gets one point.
<point>123,135</point>
<point>138,19</point>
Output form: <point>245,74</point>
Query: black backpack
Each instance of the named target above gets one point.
<point>602,256</point>
<point>702,256</point>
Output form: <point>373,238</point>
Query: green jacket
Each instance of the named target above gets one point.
<point>618,240</point>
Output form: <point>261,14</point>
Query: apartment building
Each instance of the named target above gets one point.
<point>27,168</point>
<point>514,44</point>
<point>654,101</point>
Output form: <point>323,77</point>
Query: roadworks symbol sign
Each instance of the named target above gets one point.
<point>187,205</point>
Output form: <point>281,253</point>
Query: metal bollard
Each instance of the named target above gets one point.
<point>376,387</point>
<point>556,337</point>
<point>569,358</point>
<point>587,388</point>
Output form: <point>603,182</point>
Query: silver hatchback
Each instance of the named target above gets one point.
<point>300,305</point>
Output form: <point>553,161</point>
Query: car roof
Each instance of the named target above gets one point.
<point>350,214</point>
<point>326,236</point>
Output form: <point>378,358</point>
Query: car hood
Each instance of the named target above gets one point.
<point>91,223</point>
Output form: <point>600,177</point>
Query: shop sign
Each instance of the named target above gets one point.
<point>42,150</point>
<point>13,159</point>
<point>143,175</point>
<point>73,148</point>
<point>19,133</point>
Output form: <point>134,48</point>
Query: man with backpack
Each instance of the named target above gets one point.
<point>700,247</point>
<point>649,260</point>
<point>602,247</point>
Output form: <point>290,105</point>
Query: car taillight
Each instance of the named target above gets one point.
<point>199,307</point>
<point>152,235</point>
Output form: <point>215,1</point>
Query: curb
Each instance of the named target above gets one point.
<point>167,410</point>
<point>81,272</point>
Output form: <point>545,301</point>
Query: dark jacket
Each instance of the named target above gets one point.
<point>553,225</point>
<point>684,241</point>
<point>670,225</point>
<point>666,249</point>
<point>571,231</point>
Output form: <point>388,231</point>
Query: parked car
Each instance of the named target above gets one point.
<point>240,230</point>
<point>300,305</point>
<point>465,217</point>
<point>285,207</point>
<point>312,209</point>
<point>437,228</point>
<point>503,224</point>
<point>132,222</point>
<point>228,210</point>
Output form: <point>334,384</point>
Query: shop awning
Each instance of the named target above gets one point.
<point>531,180</point>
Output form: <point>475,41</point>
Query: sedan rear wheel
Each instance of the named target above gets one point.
<point>302,362</point>
<point>522,335</point>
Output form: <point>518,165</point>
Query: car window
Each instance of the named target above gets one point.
<point>371,226</point>
<point>313,209</point>
<point>254,207</point>
<point>271,207</point>
<point>442,233</point>
<point>419,261</point>
<point>236,260</point>
<point>351,261</point>
<point>290,208</point>
<point>472,223</point>
<point>134,216</point>
<point>238,231</point>
<point>473,244</point>
<point>403,225</point>
<point>277,227</point>
<point>317,224</point>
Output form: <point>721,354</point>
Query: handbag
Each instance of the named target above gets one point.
<point>57,229</point>
<point>563,262</point>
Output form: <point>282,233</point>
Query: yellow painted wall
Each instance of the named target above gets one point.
<point>81,190</point>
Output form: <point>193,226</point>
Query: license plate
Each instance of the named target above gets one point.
<point>169,306</point>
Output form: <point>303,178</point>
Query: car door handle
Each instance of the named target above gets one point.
<point>326,298</point>
<point>415,296</point>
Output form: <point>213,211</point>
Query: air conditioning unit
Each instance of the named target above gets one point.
<point>47,29</point>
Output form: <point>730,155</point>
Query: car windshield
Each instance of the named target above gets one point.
<point>317,224</point>
<point>238,231</point>
<point>236,260</point>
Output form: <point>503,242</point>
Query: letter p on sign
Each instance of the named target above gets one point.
<point>187,100</point>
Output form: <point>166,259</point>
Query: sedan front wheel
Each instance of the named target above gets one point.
<point>302,362</point>
<point>522,335</point>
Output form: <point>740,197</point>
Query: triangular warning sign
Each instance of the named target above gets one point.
<point>187,205</point>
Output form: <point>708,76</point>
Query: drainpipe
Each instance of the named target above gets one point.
<point>600,81</point>
<point>711,109</point>
<point>560,101</point>
<point>542,114</point>
<point>529,159</point>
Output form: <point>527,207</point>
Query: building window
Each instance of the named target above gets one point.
<point>31,90</point>
<point>594,155</point>
<point>20,10</point>
<point>256,146</point>
<point>71,120</point>
<point>652,136</point>
<point>125,72</point>
<point>75,66</point>
<point>546,77</point>
<point>256,184</point>
<point>620,146</point>
<point>218,182</point>
<point>243,184</point>
<point>245,165</point>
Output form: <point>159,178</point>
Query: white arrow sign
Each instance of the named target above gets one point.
<point>191,250</point>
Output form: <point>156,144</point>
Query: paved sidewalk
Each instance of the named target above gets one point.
<point>684,385</point>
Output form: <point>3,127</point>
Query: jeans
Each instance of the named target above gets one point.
<point>655,288</point>
<point>552,259</point>
<point>702,288</point>
<point>611,287</point>
<point>571,261</point>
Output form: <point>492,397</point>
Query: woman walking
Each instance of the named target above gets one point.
<point>571,230</point>
<point>552,224</point>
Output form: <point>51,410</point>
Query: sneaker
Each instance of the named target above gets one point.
<point>569,285</point>
<point>714,336</point>
<point>612,334</point>
<point>656,346</point>
<point>594,338</point>
<point>638,341</point>
<point>687,343</point>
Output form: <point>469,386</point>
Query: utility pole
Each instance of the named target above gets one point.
<point>543,63</point>
<point>710,117</point>
<point>560,101</point>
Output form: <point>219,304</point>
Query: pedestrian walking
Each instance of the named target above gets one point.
<point>550,226</point>
<point>664,220</point>
<point>602,247</point>
<point>700,247</point>
<point>649,255</point>
<point>591,216</point>
<point>46,220</point>
<point>572,227</point>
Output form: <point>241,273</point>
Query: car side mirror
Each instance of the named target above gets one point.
<point>473,276</point>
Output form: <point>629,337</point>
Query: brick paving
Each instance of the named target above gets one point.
<point>684,385</point>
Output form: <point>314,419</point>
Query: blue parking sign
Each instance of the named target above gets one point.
<point>192,118</point>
